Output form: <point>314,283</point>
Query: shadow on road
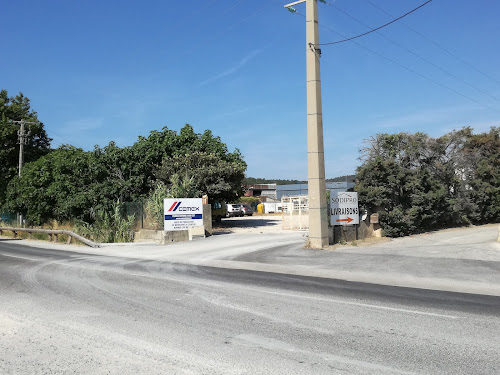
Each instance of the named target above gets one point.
<point>252,224</point>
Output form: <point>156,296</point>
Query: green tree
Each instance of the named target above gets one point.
<point>218,175</point>
<point>418,183</point>
<point>482,154</point>
<point>56,186</point>
<point>70,183</point>
<point>38,143</point>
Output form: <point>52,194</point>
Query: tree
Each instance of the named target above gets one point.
<point>70,183</point>
<point>38,143</point>
<point>56,186</point>
<point>218,175</point>
<point>482,153</point>
<point>419,183</point>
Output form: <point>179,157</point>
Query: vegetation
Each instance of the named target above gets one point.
<point>179,187</point>
<point>255,181</point>
<point>350,178</point>
<point>415,182</point>
<point>108,226</point>
<point>38,143</point>
<point>70,183</point>
<point>252,201</point>
<point>154,206</point>
<point>219,174</point>
<point>418,183</point>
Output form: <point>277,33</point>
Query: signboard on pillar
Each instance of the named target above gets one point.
<point>344,208</point>
<point>182,213</point>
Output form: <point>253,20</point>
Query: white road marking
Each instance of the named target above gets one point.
<point>272,344</point>
<point>19,257</point>
<point>364,305</point>
<point>359,304</point>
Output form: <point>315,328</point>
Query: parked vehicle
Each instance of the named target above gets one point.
<point>219,210</point>
<point>234,210</point>
<point>247,209</point>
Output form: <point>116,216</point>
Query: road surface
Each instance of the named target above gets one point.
<point>65,312</point>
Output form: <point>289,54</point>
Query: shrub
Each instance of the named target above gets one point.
<point>108,226</point>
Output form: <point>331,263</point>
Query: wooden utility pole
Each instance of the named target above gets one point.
<point>318,216</point>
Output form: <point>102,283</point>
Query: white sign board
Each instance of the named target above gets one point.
<point>343,208</point>
<point>182,213</point>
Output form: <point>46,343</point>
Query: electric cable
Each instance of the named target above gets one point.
<point>439,46</point>
<point>378,28</point>
<point>418,56</point>
<point>408,69</point>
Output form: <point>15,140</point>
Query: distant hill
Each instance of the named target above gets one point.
<point>349,178</point>
<point>256,180</point>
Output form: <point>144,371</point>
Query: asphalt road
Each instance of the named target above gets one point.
<point>66,312</point>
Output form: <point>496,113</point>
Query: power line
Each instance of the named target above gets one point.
<point>438,45</point>
<point>417,55</point>
<point>378,28</point>
<point>408,69</point>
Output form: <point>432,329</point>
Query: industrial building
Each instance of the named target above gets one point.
<point>276,192</point>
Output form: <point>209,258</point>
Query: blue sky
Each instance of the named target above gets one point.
<point>98,71</point>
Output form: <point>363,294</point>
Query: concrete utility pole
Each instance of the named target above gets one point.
<point>318,216</point>
<point>22,140</point>
<point>22,137</point>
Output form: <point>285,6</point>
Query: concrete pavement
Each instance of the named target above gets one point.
<point>463,260</point>
<point>64,312</point>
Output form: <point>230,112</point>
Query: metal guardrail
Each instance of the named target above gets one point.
<point>53,234</point>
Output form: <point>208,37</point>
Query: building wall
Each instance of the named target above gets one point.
<point>302,189</point>
<point>264,190</point>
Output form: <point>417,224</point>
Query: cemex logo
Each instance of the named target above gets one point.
<point>176,207</point>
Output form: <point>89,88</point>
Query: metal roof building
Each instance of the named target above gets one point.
<point>295,190</point>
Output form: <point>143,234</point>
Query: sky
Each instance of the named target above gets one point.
<point>101,71</point>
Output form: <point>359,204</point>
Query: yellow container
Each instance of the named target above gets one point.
<point>260,208</point>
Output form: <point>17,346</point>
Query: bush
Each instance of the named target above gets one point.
<point>107,226</point>
<point>418,183</point>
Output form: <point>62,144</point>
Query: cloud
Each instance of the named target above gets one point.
<point>233,69</point>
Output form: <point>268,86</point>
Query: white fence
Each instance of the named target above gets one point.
<point>295,212</point>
